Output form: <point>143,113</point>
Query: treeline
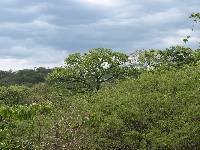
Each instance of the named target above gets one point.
<point>105,99</point>
<point>27,77</point>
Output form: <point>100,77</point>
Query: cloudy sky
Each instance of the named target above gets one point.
<point>43,32</point>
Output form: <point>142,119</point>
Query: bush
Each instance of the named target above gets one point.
<point>21,127</point>
<point>14,95</point>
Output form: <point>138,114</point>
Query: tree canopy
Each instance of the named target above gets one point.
<point>89,70</point>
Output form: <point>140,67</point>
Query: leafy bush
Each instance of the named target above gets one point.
<point>14,95</point>
<point>19,128</point>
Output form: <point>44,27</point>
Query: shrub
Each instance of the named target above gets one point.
<point>14,95</point>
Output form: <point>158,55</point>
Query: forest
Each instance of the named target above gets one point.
<point>105,100</point>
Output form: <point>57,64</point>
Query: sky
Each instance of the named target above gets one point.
<point>36,33</point>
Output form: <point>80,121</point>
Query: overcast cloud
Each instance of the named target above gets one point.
<point>43,32</point>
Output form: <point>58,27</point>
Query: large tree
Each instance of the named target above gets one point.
<point>89,70</point>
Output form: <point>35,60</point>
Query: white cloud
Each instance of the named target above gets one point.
<point>171,41</point>
<point>15,64</point>
<point>102,2</point>
<point>18,64</point>
<point>167,16</point>
<point>184,32</point>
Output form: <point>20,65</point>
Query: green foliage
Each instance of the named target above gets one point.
<point>150,58</point>
<point>24,112</point>
<point>17,125</point>
<point>185,40</point>
<point>195,17</point>
<point>26,77</point>
<point>179,56</point>
<point>88,71</point>
<point>173,57</point>
<point>4,74</point>
<point>157,111</point>
<point>42,92</point>
<point>14,95</point>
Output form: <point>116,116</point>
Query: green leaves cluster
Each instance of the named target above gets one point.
<point>17,124</point>
<point>195,17</point>
<point>24,112</point>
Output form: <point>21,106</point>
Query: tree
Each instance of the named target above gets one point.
<point>89,70</point>
<point>173,57</point>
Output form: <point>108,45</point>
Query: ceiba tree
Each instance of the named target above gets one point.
<point>88,71</point>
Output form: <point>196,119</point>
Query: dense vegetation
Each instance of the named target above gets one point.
<point>26,77</point>
<point>105,99</point>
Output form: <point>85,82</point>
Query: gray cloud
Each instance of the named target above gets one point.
<point>43,33</point>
